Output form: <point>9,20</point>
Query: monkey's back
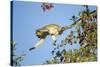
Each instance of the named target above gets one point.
<point>53,28</point>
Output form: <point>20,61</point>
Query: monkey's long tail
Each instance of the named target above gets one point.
<point>70,26</point>
<point>76,22</point>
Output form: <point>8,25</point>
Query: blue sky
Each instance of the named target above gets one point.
<point>28,17</point>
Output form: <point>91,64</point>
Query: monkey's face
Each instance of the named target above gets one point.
<point>39,34</point>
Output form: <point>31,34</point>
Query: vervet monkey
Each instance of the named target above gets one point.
<point>52,29</point>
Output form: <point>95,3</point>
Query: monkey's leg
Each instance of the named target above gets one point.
<point>40,42</point>
<point>54,39</point>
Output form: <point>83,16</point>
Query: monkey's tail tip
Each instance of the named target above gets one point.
<point>31,48</point>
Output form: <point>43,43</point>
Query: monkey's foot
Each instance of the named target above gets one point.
<point>54,43</point>
<point>31,48</point>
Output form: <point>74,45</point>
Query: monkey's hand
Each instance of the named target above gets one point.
<point>31,48</point>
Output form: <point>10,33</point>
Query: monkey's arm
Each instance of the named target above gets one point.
<point>40,42</point>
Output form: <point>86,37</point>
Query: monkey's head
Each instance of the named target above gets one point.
<point>41,33</point>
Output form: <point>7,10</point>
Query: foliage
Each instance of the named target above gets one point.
<point>85,34</point>
<point>16,59</point>
<point>46,6</point>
